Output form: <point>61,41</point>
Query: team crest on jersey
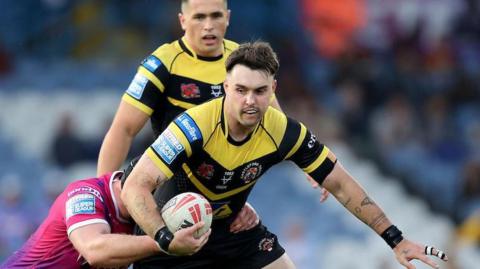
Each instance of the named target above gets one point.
<point>189,90</point>
<point>167,146</point>
<point>151,63</point>
<point>266,244</point>
<point>216,90</point>
<point>83,203</point>
<point>206,170</point>
<point>137,86</point>
<point>251,172</point>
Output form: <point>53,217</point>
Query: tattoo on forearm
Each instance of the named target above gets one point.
<point>378,220</point>
<point>347,202</point>
<point>367,201</point>
<point>358,210</point>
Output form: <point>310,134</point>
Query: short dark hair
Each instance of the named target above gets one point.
<point>184,2</point>
<point>257,55</point>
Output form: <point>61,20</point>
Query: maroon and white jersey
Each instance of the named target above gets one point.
<point>83,202</point>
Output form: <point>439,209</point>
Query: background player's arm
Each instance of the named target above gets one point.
<point>100,248</point>
<point>128,121</point>
<point>349,192</point>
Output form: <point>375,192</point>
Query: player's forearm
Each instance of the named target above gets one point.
<point>353,197</point>
<point>113,152</point>
<point>111,250</point>
<point>137,197</point>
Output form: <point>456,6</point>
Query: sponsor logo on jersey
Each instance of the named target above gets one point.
<point>83,203</point>
<point>189,127</point>
<point>266,244</point>
<point>251,172</point>
<point>311,142</point>
<point>205,170</point>
<point>151,63</point>
<point>167,146</point>
<point>137,86</point>
<point>216,90</point>
<point>189,90</point>
<point>86,189</point>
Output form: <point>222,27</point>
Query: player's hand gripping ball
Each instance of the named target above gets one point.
<point>186,209</point>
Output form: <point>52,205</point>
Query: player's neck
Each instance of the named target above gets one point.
<point>121,207</point>
<point>190,45</point>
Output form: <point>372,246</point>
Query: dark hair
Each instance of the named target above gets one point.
<point>186,2</point>
<point>257,55</point>
<point>128,170</point>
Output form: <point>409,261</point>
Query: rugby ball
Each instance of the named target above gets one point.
<point>186,209</point>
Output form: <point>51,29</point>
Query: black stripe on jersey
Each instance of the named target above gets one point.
<point>163,74</point>
<point>151,95</point>
<point>323,170</point>
<point>198,92</point>
<point>289,139</point>
<point>308,152</point>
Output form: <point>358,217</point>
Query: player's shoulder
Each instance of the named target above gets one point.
<point>202,118</point>
<point>280,126</point>
<point>230,46</point>
<point>167,52</point>
<point>90,186</point>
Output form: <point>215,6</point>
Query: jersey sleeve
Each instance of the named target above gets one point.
<point>177,143</point>
<point>147,87</point>
<point>309,154</point>
<point>84,205</point>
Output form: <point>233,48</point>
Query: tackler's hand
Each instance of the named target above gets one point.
<point>323,192</point>
<point>246,219</point>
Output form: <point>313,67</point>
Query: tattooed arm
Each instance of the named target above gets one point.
<point>138,199</point>
<point>137,195</point>
<point>353,197</point>
<point>348,192</point>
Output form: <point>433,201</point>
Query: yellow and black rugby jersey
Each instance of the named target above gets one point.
<point>224,170</point>
<point>173,78</point>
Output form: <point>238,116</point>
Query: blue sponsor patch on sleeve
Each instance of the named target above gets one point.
<point>188,127</point>
<point>83,203</point>
<point>137,86</point>
<point>167,146</point>
<point>151,63</point>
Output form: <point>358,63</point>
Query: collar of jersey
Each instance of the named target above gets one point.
<point>224,125</point>
<point>185,47</point>
<point>115,176</point>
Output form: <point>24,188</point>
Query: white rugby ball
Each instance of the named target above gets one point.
<point>186,209</point>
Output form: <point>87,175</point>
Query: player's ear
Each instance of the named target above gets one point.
<point>274,85</point>
<point>181,19</point>
<point>228,17</point>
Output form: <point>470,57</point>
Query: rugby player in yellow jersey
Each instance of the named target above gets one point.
<point>220,149</point>
<point>175,77</point>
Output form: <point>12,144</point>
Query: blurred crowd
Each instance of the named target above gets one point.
<point>398,80</point>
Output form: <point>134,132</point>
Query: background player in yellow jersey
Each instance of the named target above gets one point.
<point>242,136</point>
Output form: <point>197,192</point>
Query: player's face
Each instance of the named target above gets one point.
<point>205,23</point>
<point>248,95</point>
